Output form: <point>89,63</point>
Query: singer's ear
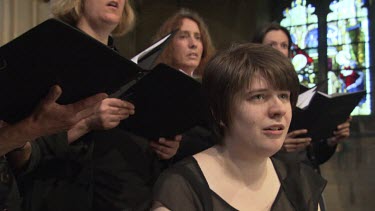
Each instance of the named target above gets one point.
<point>3,63</point>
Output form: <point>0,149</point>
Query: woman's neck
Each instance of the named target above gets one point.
<point>189,71</point>
<point>97,31</point>
<point>243,165</point>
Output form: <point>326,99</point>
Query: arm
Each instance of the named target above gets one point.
<point>107,114</point>
<point>48,118</point>
<point>104,114</point>
<point>41,149</point>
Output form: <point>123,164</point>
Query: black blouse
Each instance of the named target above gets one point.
<point>184,187</point>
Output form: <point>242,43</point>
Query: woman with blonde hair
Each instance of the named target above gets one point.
<point>90,169</point>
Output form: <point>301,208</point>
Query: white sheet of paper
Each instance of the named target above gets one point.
<point>140,55</point>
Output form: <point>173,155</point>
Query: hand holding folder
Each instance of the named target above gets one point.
<point>168,102</point>
<point>320,113</point>
<point>56,53</point>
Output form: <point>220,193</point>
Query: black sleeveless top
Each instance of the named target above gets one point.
<point>184,187</point>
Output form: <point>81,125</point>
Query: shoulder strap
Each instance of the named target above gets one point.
<point>198,184</point>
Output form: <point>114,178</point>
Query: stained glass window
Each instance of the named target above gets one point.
<point>348,46</point>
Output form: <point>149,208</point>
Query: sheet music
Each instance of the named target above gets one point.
<point>304,98</point>
<point>145,52</point>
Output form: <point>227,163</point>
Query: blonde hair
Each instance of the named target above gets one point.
<point>71,10</point>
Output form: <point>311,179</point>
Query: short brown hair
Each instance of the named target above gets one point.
<point>71,10</point>
<point>231,71</point>
<point>175,22</point>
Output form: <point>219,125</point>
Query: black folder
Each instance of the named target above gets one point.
<point>56,53</point>
<point>324,113</point>
<point>167,101</point>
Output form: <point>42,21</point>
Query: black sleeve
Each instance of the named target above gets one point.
<point>44,148</point>
<point>9,195</point>
<point>312,185</point>
<point>194,141</point>
<point>321,151</point>
<point>175,193</point>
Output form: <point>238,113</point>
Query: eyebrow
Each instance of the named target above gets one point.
<point>264,90</point>
<point>256,90</point>
<point>188,32</point>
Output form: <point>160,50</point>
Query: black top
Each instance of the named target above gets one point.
<point>199,138</point>
<point>104,170</point>
<point>184,187</point>
<point>317,153</point>
<point>9,195</point>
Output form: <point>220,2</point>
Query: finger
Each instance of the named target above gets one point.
<point>85,113</point>
<point>178,138</point>
<point>168,143</point>
<point>343,126</point>
<point>296,133</point>
<point>297,140</point>
<point>290,148</point>
<point>114,102</point>
<point>153,144</point>
<point>122,111</point>
<point>115,116</point>
<point>165,149</point>
<point>129,105</point>
<point>341,137</point>
<point>112,117</point>
<point>88,102</point>
<point>290,145</point>
<point>301,146</point>
<point>341,132</point>
<point>53,94</point>
<point>161,154</point>
<point>166,152</point>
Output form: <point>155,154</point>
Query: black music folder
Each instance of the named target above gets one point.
<point>167,103</point>
<point>56,53</point>
<point>320,113</point>
<point>53,52</point>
